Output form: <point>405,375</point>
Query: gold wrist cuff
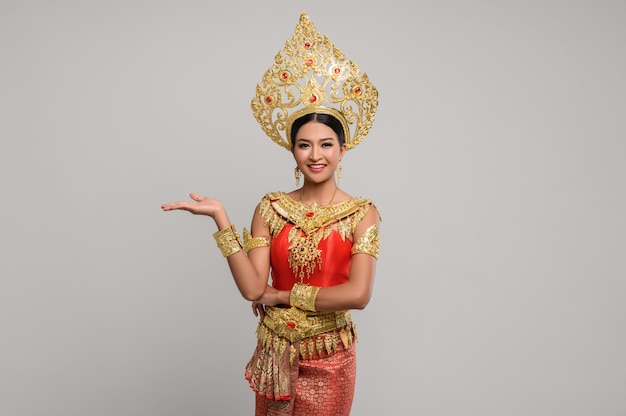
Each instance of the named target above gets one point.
<point>228,241</point>
<point>303,296</point>
<point>250,242</point>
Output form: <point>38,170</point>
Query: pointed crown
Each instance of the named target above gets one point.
<point>311,75</point>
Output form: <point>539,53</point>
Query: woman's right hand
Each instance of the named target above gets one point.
<point>258,309</point>
<point>200,205</point>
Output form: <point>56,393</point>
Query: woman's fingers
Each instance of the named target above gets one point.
<point>258,310</point>
<point>172,205</point>
<point>186,205</point>
<point>178,205</point>
<point>200,205</point>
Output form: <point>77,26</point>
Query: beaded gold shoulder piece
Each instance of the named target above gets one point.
<point>270,217</point>
<point>309,218</point>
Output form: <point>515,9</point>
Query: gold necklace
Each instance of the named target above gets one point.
<point>304,253</point>
<point>329,202</point>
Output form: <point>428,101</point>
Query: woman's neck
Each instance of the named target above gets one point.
<point>318,194</point>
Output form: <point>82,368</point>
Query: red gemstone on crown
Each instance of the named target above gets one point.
<point>291,325</point>
<point>309,214</point>
<point>337,71</point>
<point>313,99</point>
<point>284,75</point>
<point>307,45</point>
<point>357,90</point>
<point>268,99</point>
<point>309,62</point>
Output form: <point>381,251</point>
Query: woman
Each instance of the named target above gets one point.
<point>318,243</point>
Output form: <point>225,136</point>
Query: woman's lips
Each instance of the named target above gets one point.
<point>317,168</point>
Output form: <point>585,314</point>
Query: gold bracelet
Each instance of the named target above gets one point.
<point>228,241</point>
<point>303,296</point>
<point>250,242</point>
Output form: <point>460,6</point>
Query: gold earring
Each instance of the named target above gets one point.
<point>338,174</point>
<point>296,173</point>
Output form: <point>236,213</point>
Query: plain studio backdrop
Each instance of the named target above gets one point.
<point>496,159</point>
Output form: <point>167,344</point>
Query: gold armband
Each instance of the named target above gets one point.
<point>303,296</point>
<point>250,242</point>
<point>368,242</point>
<point>228,241</point>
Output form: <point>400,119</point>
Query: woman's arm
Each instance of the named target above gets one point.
<point>250,272</point>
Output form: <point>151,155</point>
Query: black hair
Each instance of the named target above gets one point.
<point>323,118</point>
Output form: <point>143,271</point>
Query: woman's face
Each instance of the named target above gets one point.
<point>317,152</point>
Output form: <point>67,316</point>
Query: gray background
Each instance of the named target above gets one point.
<point>497,161</point>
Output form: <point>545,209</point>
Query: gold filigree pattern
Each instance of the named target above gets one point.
<point>368,242</point>
<point>294,324</point>
<point>312,224</point>
<point>312,217</point>
<point>250,242</point>
<point>228,241</point>
<point>271,218</point>
<point>312,75</point>
<point>303,296</point>
<point>304,253</point>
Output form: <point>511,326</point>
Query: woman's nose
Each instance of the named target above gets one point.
<point>315,152</point>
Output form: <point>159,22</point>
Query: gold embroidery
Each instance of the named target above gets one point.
<point>312,217</point>
<point>303,296</point>
<point>368,242</point>
<point>312,224</point>
<point>270,217</point>
<point>295,324</point>
<point>303,253</point>
<point>228,241</point>
<point>250,242</point>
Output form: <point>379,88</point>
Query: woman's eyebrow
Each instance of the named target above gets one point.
<point>324,139</point>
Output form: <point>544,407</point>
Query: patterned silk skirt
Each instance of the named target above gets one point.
<point>321,386</point>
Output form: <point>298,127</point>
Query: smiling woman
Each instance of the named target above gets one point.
<point>318,146</point>
<point>318,243</point>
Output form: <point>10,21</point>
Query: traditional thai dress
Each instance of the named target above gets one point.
<point>305,362</point>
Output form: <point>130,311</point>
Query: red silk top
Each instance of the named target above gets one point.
<point>336,260</point>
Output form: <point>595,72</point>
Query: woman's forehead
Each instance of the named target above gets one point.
<point>314,130</point>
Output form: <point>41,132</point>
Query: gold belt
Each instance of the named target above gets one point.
<point>295,324</point>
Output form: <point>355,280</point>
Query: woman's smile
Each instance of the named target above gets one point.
<point>316,167</point>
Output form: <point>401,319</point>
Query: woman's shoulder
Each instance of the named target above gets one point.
<point>271,200</point>
<point>275,196</point>
<point>362,201</point>
<point>355,200</point>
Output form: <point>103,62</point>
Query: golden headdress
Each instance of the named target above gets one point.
<point>311,75</point>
